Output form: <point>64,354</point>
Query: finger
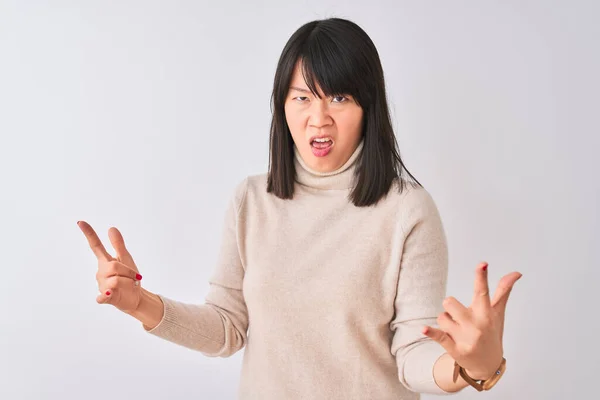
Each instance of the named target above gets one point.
<point>118,244</point>
<point>94,241</point>
<point>481,296</point>
<point>457,310</point>
<point>503,290</point>
<point>117,282</point>
<point>443,338</point>
<point>116,268</point>
<point>447,324</point>
<point>104,297</point>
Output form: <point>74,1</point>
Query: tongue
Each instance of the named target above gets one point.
<point>321,145</point>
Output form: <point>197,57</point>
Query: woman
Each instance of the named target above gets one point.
<point>333,265</point>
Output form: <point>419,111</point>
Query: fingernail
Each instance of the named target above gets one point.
<point>108,292</point>
<point>485,268</point>
<point>138,277</point>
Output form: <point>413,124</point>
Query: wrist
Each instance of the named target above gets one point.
<point>149,311</point>
<point>482,375</point>
<point>480,384</point>
<point>478,375</point>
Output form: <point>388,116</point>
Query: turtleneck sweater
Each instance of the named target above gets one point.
<point>327,299</point>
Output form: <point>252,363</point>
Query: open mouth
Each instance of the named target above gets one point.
<point>321,147</point>
<point>322,144</point>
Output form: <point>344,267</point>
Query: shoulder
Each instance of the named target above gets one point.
<point>251,184</point>
<point>413,197</point>
<point>413,203</point>
<point>257,182</point>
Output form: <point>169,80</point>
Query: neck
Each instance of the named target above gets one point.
<point>341,178</point>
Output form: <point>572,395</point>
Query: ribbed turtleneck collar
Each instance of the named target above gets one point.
<point>341,178</point>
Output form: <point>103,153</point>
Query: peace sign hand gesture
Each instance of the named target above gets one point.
<point>118,278</point>
<point>473,336</point>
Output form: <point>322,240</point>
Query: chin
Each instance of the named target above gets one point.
<point>324,164</point>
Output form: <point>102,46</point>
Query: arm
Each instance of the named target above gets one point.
<point>443,371</point>
<point>218,327</point>
<point>421,290</point>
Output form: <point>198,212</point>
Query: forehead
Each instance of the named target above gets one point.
<point>299,81</point>
<point>297,78</point>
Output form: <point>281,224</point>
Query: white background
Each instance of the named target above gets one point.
<point>144,115</point>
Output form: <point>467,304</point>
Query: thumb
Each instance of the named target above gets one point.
<point>438,335</point>
<point>123,255</point>
<point>105,298</point>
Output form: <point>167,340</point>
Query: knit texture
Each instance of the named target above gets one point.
<point>326,298</point>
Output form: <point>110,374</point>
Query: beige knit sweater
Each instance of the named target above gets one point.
<point>327,298</point>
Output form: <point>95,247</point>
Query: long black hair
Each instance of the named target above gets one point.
<point>338,55</point>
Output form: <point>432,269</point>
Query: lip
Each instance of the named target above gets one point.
<point>321,152</point>
<point>312,139</point>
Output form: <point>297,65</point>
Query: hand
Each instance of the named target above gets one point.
<point>118,278</point>
<point>473,336</point>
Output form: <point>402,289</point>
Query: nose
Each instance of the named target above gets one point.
<point>319,115</point>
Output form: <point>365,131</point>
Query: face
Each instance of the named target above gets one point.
<point>335,121</point>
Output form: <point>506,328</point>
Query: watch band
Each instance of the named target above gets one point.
<point>486,384</point>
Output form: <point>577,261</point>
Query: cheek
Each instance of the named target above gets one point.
<point>293,119</point>
<point>351,122</point>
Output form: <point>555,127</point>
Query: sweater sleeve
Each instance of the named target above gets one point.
<point>420,292</point>
<point>219,327</point>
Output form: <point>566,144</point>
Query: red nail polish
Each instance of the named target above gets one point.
<point>138,277</point>
<point>485,268</point>
<point>108,292</point>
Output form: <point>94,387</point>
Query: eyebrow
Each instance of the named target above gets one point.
<point>299,89</point>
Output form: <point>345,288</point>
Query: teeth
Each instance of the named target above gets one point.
<point>322,140</point>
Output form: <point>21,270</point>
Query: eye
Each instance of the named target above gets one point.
<point>301,97</point>
<point>340,97</point>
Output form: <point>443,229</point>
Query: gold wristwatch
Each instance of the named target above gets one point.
<point>486,384</point>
